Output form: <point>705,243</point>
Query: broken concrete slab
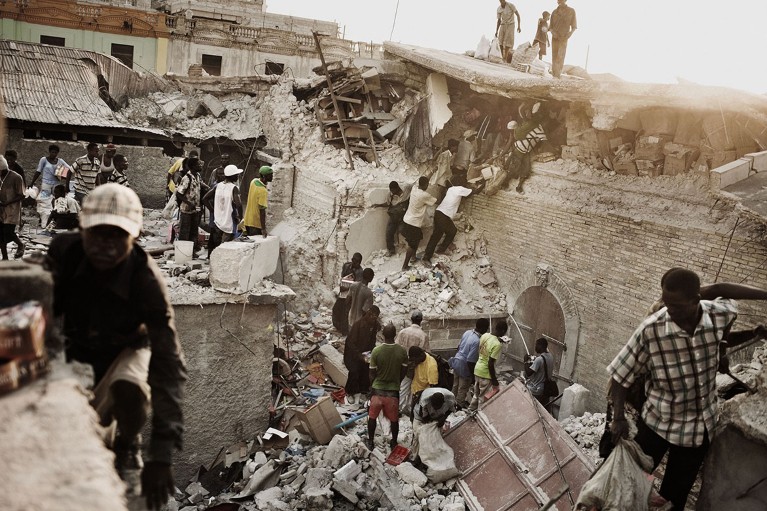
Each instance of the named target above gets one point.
<point>263,498</point>
<point>214,106</point>
<point>319,499</point>
<point>348,471</point>
<point>759,161</point>
<point>411,475</point>
<point>240,266</point>
<point>347,489</point>
<point>333,363</point>
<point>729,174</point>
<point>195,108</point>
<point>439,99</point>
<point>368,233</point>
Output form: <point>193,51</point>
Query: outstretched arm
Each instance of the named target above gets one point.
<point>732,291</point>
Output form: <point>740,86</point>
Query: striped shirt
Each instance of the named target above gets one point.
<point>118,177</point>
<point>85,173</point>
<point>529,141</point>
<point>681,383</point>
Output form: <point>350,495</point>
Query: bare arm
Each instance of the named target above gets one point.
<point>732,291</point>
<point>491,368</point>
<point>619,426</point>
<point>262,215</point>
<point>519,21</point>
<point>207,199</point>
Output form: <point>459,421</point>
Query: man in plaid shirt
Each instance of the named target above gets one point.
<point>677,349</point>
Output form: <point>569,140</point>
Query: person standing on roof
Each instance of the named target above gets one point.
<point>258,195</point>
<point>412,222</point>
<point>84,170</point>
<point>225,205</point>
<point>563,24</point>
<point>504,29</point>
<point>117,317</point>
<point>388,365</point>
<point>542,34</point>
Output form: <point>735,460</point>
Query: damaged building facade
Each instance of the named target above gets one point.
<point>628,181</point>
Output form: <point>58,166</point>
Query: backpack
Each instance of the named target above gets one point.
<point>445,380</point>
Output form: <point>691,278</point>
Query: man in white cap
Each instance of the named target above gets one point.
<point>223,201</point>
<point>115,312</point>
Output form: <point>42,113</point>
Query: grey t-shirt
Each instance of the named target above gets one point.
<point>536,380</point>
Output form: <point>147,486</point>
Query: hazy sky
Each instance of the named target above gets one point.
<point>714,43</point>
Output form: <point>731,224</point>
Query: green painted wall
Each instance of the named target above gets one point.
<point>144,48</point>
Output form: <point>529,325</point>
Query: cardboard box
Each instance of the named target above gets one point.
<point>659,121</point>
<point>625,167</point>
<point>650,147</point>
<point>648,168</point>
<point>15,373</point>
<point>320,419</point>
<point>22,331</point>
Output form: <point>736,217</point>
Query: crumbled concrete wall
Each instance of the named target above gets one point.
<point>228,349</point>
<point>610,243</point>
<point>53,456</point>
<point>445,333</point>
<point>146,170</point>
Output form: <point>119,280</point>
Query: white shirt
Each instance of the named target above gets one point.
<point>452,200</point>
<point>416,211</point>
<point>222,207</point>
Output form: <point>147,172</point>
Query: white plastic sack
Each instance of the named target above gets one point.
<point>483,49</point>
<point>621,482</point>
<point>495,51</point>
<point>434,452</point>
<point>31,192</point>
<point>169,211</point>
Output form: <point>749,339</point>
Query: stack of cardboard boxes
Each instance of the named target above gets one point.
<point>22,345</point>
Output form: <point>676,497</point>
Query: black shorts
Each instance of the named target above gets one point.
<point>413,235</point>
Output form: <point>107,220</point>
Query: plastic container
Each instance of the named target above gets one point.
<point>183,251</point>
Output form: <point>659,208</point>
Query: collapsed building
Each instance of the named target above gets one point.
<point>630,181</point>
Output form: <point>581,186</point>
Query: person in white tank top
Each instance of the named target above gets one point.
<point>225,205</point>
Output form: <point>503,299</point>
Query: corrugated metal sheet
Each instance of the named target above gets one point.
<point>56,85</point>
<point>506,460</point>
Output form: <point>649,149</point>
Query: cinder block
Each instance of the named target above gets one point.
<point>333,362</point>
<point>759,161</point>
<point>240,266</point>
<point>574,400</point>
<point>730,173</point>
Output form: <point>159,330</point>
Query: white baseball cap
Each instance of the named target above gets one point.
<point>112,204</point>
<point>232,170</point>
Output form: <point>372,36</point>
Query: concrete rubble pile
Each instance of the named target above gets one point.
<point>197,116</point>
<point>586,431</point>
<point>302,475</point>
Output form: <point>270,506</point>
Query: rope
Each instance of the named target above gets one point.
<point>394,22</point>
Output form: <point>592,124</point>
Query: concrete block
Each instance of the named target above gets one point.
<point>730,173</point>
<point>214,106</point>
<point>376,196</point>
<point>348,490</point>
<point>348,471</point>
<point>574,400</point>
<point>240,266</point>
<point>439,99</point>
<point>759,161</point>
<point>368,233</point>
<point>333,362</point>
<point>194,108</point>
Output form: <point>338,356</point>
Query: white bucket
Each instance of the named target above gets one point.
<point>183,251</point>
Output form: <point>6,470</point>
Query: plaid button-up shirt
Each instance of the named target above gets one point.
<point>681,369</point>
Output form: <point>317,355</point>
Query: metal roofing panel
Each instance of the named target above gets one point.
<point>505,455</point>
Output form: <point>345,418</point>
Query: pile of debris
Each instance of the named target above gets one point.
<point>586,431</point>
<point>357,113</point>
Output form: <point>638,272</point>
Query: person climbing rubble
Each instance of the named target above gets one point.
<point>485,376</point>
<point>116,315</point>
<point>443,218</point>
<point>397,204</point>
<point>258,200</point>
<point>351,272</point>
<point>504,29</point>
<point>224,203</point>
<point>407,337</point>
<point>388,366</point>
<point>677,350</point>
<point>465,359</point>
<point>360,296</point>
<point>413,220</point>
<point>361,339</point>
<point>434,405</point>
<point>444,172</point>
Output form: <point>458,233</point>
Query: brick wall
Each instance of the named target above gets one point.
<point>611,262</point>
